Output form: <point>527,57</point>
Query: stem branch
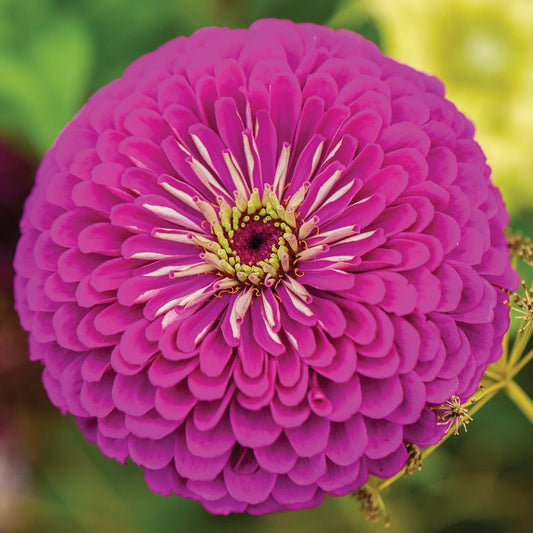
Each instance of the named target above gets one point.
<point>521,364</point>
<point>520,343</point>
<point>520,399</point>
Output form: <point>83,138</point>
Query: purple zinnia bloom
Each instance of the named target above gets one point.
<point>257,261</point>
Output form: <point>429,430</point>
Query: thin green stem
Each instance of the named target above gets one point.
<point>521,342</point>
<point>494,376</point>
<point>521,364</point>
<point>520,399</point>
<point>389,481</point>
<point>502,361</point>
<point>487,391</point>
<point>486,398</point>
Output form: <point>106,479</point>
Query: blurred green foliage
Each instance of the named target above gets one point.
<point>53,55</point>
<point>42,77</point>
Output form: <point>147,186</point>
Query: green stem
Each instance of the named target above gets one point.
<point>502,361</point>
<point>520,343</point>
<point>389,481</point>
<point>487,393</point>
<point>483,400</point>
<point>521,364</point>
<point>520,398</point>
<point>494,376</point>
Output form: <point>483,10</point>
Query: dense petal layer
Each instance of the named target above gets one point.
<point>258,261</point>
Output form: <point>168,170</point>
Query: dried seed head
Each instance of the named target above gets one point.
<point>415,459</point>
<point>523,306</point>
<point>372,504</point>
<point>453,414</point>
<point>520,246</point>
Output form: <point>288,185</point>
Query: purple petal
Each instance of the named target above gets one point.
<point>279,457</point>
<point>285,103</point>
<point>347,441</point>
<point>289,368</point>
<point>210,388</point>
<point>380,396</point>
<point>153,454</point>
<point>134,346</point>
<point>414,398</point>
<point>214,353</point>
<point>343,363</point>
<point>285,491</point>
<point>165,373</point>
<point>424,431</point>
<point>211,443</point>
<point>361,325</point>
<point>308,469</point>
<point>289,416</point>
<point>329,316</point>
<point>150,425</point>
<point>96,396</point>
<point>379,367</point>
<point>390,465</point>
<point>337,476</point>
<point>412,161</point>
<point>311,437</point>
<point>133,395</point>
<point>175,402</point>
<point>113,425</point>
<point>113,448</point>
<point>190,466</point>
<point>250,488</point>
<point>324,351</point>
<point>404,134</point>
<point>165,481</point>
<point>388,182</point>
<point>207,414</point>
<point>251,355</point>
<point>383,437</point>
<point>94,365</point>
<point>345,397</point>
<point>253,428</point>
<point>214,489</point>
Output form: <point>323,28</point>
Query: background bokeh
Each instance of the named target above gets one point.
<point>53,55</point>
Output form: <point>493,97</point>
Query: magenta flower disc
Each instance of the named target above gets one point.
<point>255,262</point>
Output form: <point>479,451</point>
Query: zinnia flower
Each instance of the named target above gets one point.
<point>257,261</point>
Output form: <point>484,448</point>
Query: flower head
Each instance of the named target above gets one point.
<point>257,262</point>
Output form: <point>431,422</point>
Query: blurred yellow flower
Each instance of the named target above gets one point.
<point>483,51</point>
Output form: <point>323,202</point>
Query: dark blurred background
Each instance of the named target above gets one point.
<point>53,55</point>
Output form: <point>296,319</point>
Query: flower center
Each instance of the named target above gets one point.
<point>255,241</point>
